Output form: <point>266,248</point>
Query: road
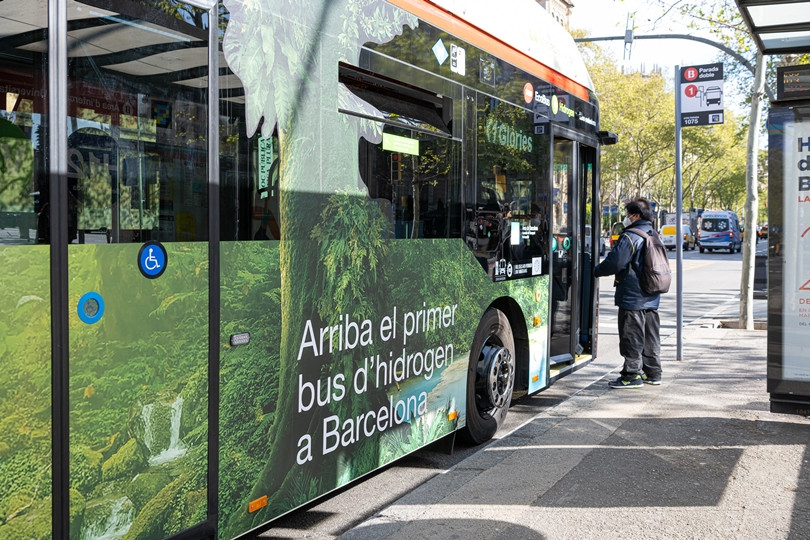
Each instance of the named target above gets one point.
<point>711,283</point>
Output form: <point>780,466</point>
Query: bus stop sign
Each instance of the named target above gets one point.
<point>701,95</point>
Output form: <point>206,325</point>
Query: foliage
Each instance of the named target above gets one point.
<point>640,108</point>
<point>180,10</point>
<point>142,351</point>
<point>723,20</point>
<point>25,406</point>
<point>302,46</point>
<point>248,374</point>
<point>420,432</point>
<point>124,463</point>
<point>17,173</point>
<point>350,239</point>
<point>714,165</point>
<point>152,521</point>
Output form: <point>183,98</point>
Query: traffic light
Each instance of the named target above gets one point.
<point>396,166</point>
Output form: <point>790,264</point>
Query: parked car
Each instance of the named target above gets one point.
<point>763,232</point>
<point>668,237</point>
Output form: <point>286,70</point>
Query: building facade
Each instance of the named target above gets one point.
<point>559,9</point>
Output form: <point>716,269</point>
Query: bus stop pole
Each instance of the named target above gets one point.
<point>678,226</point>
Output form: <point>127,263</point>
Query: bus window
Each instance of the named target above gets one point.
<point>417,192</point>
<point>616,231</point>
<point>394,101</point>
<point>408,163</point>
<point>507,225</point>
<point>249,179</point>
<point>265,211</point>
<point>137,148</point>
<point>19,196</point>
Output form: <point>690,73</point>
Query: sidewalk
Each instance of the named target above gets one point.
<point>698,457</point>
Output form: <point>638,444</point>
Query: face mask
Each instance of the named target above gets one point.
<point>626,222</point>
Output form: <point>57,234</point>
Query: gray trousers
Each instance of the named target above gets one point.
<point>640,342</point>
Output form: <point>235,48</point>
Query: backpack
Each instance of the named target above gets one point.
<point>654,274</point>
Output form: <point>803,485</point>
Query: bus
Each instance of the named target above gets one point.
<point>251,251</point>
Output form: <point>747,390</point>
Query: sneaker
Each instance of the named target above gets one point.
<point>650,380</point>
<point>631,381</point>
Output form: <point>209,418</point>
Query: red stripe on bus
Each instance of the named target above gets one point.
<point>462,29</point>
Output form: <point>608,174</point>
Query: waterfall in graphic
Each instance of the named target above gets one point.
<point>148,437</point>
<point>109,520</point>
<point>154,436</point>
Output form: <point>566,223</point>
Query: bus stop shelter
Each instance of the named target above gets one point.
<point>783,27</point>
<point>778,26</point>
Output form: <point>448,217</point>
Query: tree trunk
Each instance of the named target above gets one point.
<point>751,200</point>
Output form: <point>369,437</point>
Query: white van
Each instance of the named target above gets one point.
<point>719,229</point>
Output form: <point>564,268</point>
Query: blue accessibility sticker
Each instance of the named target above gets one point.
<point>152,259</point>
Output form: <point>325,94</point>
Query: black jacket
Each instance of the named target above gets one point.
<point>621,261</point>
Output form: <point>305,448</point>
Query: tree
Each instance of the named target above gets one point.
<point>747,279</point>
<point>722,18</point>
<point>713,165</point>
<point>640,108</point>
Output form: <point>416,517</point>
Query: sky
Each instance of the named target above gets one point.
<point>609,18</point>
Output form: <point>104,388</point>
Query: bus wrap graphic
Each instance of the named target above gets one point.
<point>365,268</point>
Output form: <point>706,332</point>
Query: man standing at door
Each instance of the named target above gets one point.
<point>639,340</point>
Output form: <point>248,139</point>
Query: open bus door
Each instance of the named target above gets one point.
<point>573,308</point>
<point>590,248</point>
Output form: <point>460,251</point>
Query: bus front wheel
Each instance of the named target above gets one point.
<point>490,376</point>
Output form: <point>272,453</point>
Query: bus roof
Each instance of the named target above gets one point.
<point>513,29</point>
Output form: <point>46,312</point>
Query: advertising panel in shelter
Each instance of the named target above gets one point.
<point>796,242</point>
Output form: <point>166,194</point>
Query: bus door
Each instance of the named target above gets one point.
<point>138,267</point>
<point>589,248</point>
<point>574,245</point>
<point>563,260</point>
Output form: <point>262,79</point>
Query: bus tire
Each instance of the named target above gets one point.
<point>490,376</point>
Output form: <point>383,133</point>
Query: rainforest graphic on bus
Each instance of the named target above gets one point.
<point>226,296</point>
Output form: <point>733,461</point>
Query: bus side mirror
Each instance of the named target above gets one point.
<point>607,138</point>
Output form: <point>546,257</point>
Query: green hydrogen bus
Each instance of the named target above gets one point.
<point>253,250</point>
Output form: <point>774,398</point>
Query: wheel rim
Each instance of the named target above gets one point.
<point>495,376</point>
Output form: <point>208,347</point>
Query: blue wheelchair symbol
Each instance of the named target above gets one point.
<point>152,259</point>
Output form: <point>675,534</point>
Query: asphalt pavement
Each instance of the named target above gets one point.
<point>700,456</point>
